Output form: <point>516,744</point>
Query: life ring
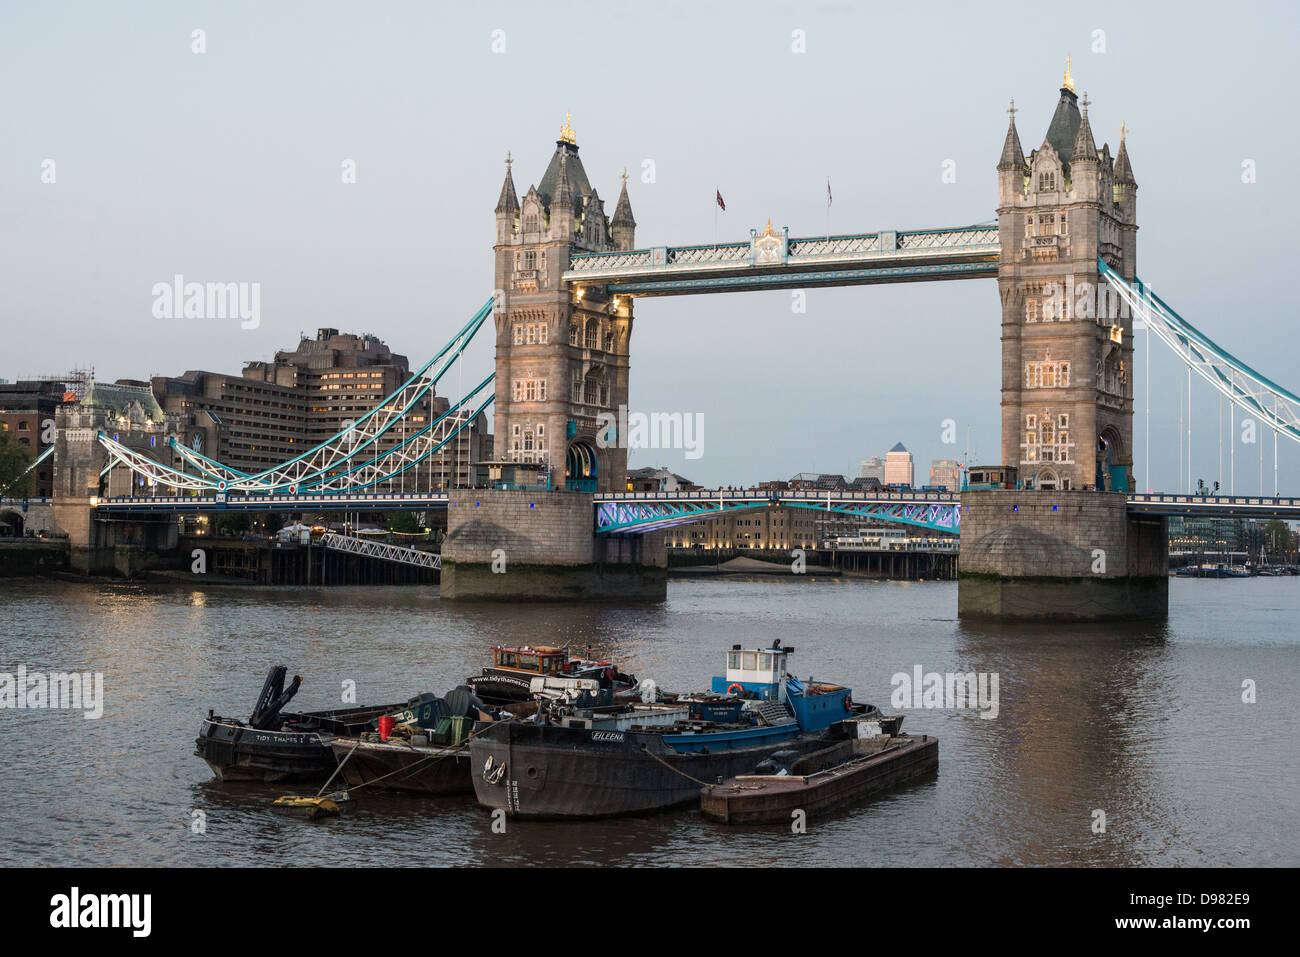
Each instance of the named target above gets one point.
<point>848,702</point>
<point>740,689</point>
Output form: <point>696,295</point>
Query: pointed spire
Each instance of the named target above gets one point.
<point>563,194</point>
<point>509,202</point>
<point>623,211</point>
<point>1085,146</point>
<point>622,228</point>
<point>1064,128</point>
<point>1123,170</point>
<point>1013,156</point>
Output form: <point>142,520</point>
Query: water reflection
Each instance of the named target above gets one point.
<point>1144,722</point>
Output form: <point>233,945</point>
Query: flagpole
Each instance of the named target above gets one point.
<point>716,193</point>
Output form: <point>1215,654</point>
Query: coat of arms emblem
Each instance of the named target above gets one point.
<point>769,246</point>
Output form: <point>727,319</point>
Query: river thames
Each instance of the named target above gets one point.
<point>1143,722</point>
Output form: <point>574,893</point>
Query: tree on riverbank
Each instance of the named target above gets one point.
<point>14,460</point>
<point>403,522</point>
<point>1277,536</point>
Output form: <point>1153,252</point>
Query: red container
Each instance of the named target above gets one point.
<point>385,726</point>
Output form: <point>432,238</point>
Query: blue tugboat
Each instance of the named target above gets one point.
<point>571,761</point>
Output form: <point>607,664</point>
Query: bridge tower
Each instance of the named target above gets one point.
<point>1067,344</point>
<point>561,361</point>
<point>1062,545</point>
<point>561,353</point>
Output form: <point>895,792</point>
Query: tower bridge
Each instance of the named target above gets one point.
<point>566,277</point>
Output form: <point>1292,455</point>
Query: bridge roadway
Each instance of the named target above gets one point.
<point>640,512</point>
<point>771,259</point>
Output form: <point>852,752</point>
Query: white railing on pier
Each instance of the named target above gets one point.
<point>381,550</point>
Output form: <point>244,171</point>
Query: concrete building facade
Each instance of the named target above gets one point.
<point>27,410</point>
<point>779,528</point>
<point>873,467</point>
<point>946,473</point>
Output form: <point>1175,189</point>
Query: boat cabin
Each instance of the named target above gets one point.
<point>537,661</point>
<point>755,673</point>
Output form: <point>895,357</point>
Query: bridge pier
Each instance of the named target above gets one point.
<point>1075,556</point>
<point>100,545</point>
<point>541,546</point>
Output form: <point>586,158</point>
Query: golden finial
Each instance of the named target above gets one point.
<point>624,175</point>
<point>1068,82</point>
<point>1123,131</point>
<point>566,131</point>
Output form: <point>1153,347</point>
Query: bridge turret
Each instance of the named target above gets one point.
<point>562,216</point>
<point>623,226</point>
<point>507,210</point>
<point>1124,192</point>
<point>1084,165</point>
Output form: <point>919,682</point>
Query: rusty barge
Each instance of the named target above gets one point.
<point>845,772</point>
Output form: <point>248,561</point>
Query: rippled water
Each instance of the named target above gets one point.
<point>1143,722</point>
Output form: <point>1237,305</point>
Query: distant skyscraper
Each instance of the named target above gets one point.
<point>946,473</point>
<point>898,466</point>
<point>874,467</point>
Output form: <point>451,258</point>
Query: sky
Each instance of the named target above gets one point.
<point>226,165</point>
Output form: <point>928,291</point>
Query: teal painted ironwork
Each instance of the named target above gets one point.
<point>333,462</point>
<point>639,514</point>
<point>1278,408</point>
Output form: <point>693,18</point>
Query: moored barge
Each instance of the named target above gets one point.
<point>641,758</point>
<point>427,755</point>
<point>275,745</point>
<point>869,766</point>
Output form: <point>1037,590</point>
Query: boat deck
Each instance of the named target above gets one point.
<point>758,798</point>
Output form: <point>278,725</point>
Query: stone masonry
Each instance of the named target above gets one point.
<point>1060,555</point>
<point>515,545</point>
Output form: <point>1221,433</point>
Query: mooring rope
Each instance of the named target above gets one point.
<point>454,750</point>
<point>703,784</point>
